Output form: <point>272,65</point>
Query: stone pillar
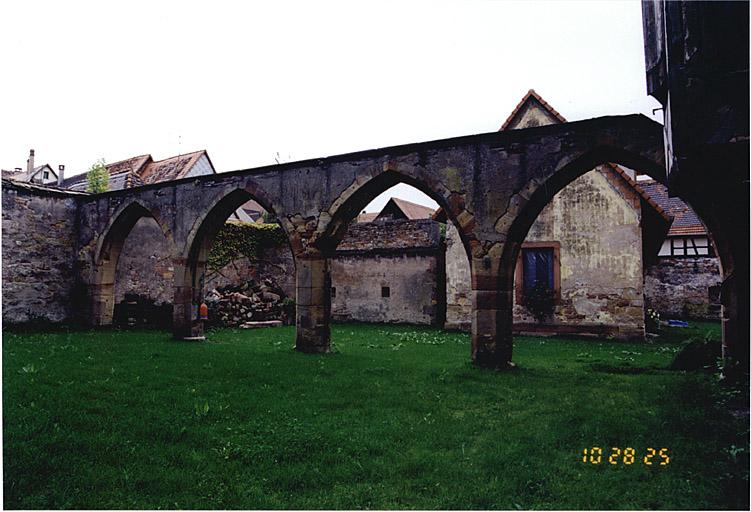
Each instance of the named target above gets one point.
<point>185,322</point>
<point>313,316</point>
<point>735,320</point>
<point>101,303</point>
<point>101,294</point>
<point>492,315</point>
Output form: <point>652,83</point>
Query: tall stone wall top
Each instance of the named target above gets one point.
<point>391,234</point>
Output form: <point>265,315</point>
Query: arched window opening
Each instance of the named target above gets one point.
<point>144,278</point>
<point>132,269</point>
<point>589,257</point>
<point>239,262</point>
<point>389,262</point>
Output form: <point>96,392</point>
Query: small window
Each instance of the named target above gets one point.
<point>385,291</point>
<point>688,246</point>
<point>333,292</point>
<point>46,175</point>
<point>538,268</point>
<point>538,264</point>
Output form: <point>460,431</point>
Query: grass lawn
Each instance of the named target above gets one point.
<point>396,417</point>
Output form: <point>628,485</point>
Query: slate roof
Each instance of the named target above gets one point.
<point>685,220</point>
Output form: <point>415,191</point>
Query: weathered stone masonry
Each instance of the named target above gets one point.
<point>404,255</point>
<point>684,287</point>
<point>492,186</point>
<point>389,271</point>
<point>39,253</point>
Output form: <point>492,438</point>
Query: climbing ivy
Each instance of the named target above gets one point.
<point>243,239</point>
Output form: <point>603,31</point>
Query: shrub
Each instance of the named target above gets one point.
<point>539,301</point>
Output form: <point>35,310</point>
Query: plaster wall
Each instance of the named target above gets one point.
<point>358,281</point>
<point>598,228</point>
<point>406,256</point>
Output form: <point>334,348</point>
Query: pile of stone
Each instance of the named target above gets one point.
<point>249,305</point>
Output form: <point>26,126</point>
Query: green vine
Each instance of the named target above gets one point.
<point>247,239</point>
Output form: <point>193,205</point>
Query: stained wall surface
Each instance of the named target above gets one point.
<point>403,256</point>
<point>39,235</point>
<point>601,274</point>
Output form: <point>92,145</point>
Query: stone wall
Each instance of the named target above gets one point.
<point>684,288</point>
<point>404,256</point>
<point>39,233</point>
<point>276,263</point>
<point>144,267</point>
<point>597,223</point>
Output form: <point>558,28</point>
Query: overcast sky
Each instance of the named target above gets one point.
<point>245,81</point>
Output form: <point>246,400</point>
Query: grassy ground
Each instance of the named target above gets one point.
<point>395,418</point>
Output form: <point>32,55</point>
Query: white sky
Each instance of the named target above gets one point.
<point>245,80</point>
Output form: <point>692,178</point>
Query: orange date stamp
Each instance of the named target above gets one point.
<point>626,456</point>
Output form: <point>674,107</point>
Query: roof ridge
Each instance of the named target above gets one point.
<point>126,159</point>
<point>643,193</point>
<point>532,94</point>
<point>410,202</point>
<point>179,156</point>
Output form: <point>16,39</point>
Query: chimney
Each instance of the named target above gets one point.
<point>60,175</point>
<point>30,165</point>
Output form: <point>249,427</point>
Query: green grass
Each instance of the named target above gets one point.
<point>396,417</point>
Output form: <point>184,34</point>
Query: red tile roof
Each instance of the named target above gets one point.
<point>413,210</point>
<point>134,164</point>
<point>685,220</point>
<point>643,193</point>
<point>169,169</point>
<point>531,94</point>
<point>367,217</point>
<point>142,170</point>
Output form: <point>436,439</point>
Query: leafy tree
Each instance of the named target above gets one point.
<point>98,179</point>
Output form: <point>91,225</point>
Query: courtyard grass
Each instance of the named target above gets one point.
<point>395,418</point>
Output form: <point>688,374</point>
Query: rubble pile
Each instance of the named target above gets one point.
<point>249,303</point>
